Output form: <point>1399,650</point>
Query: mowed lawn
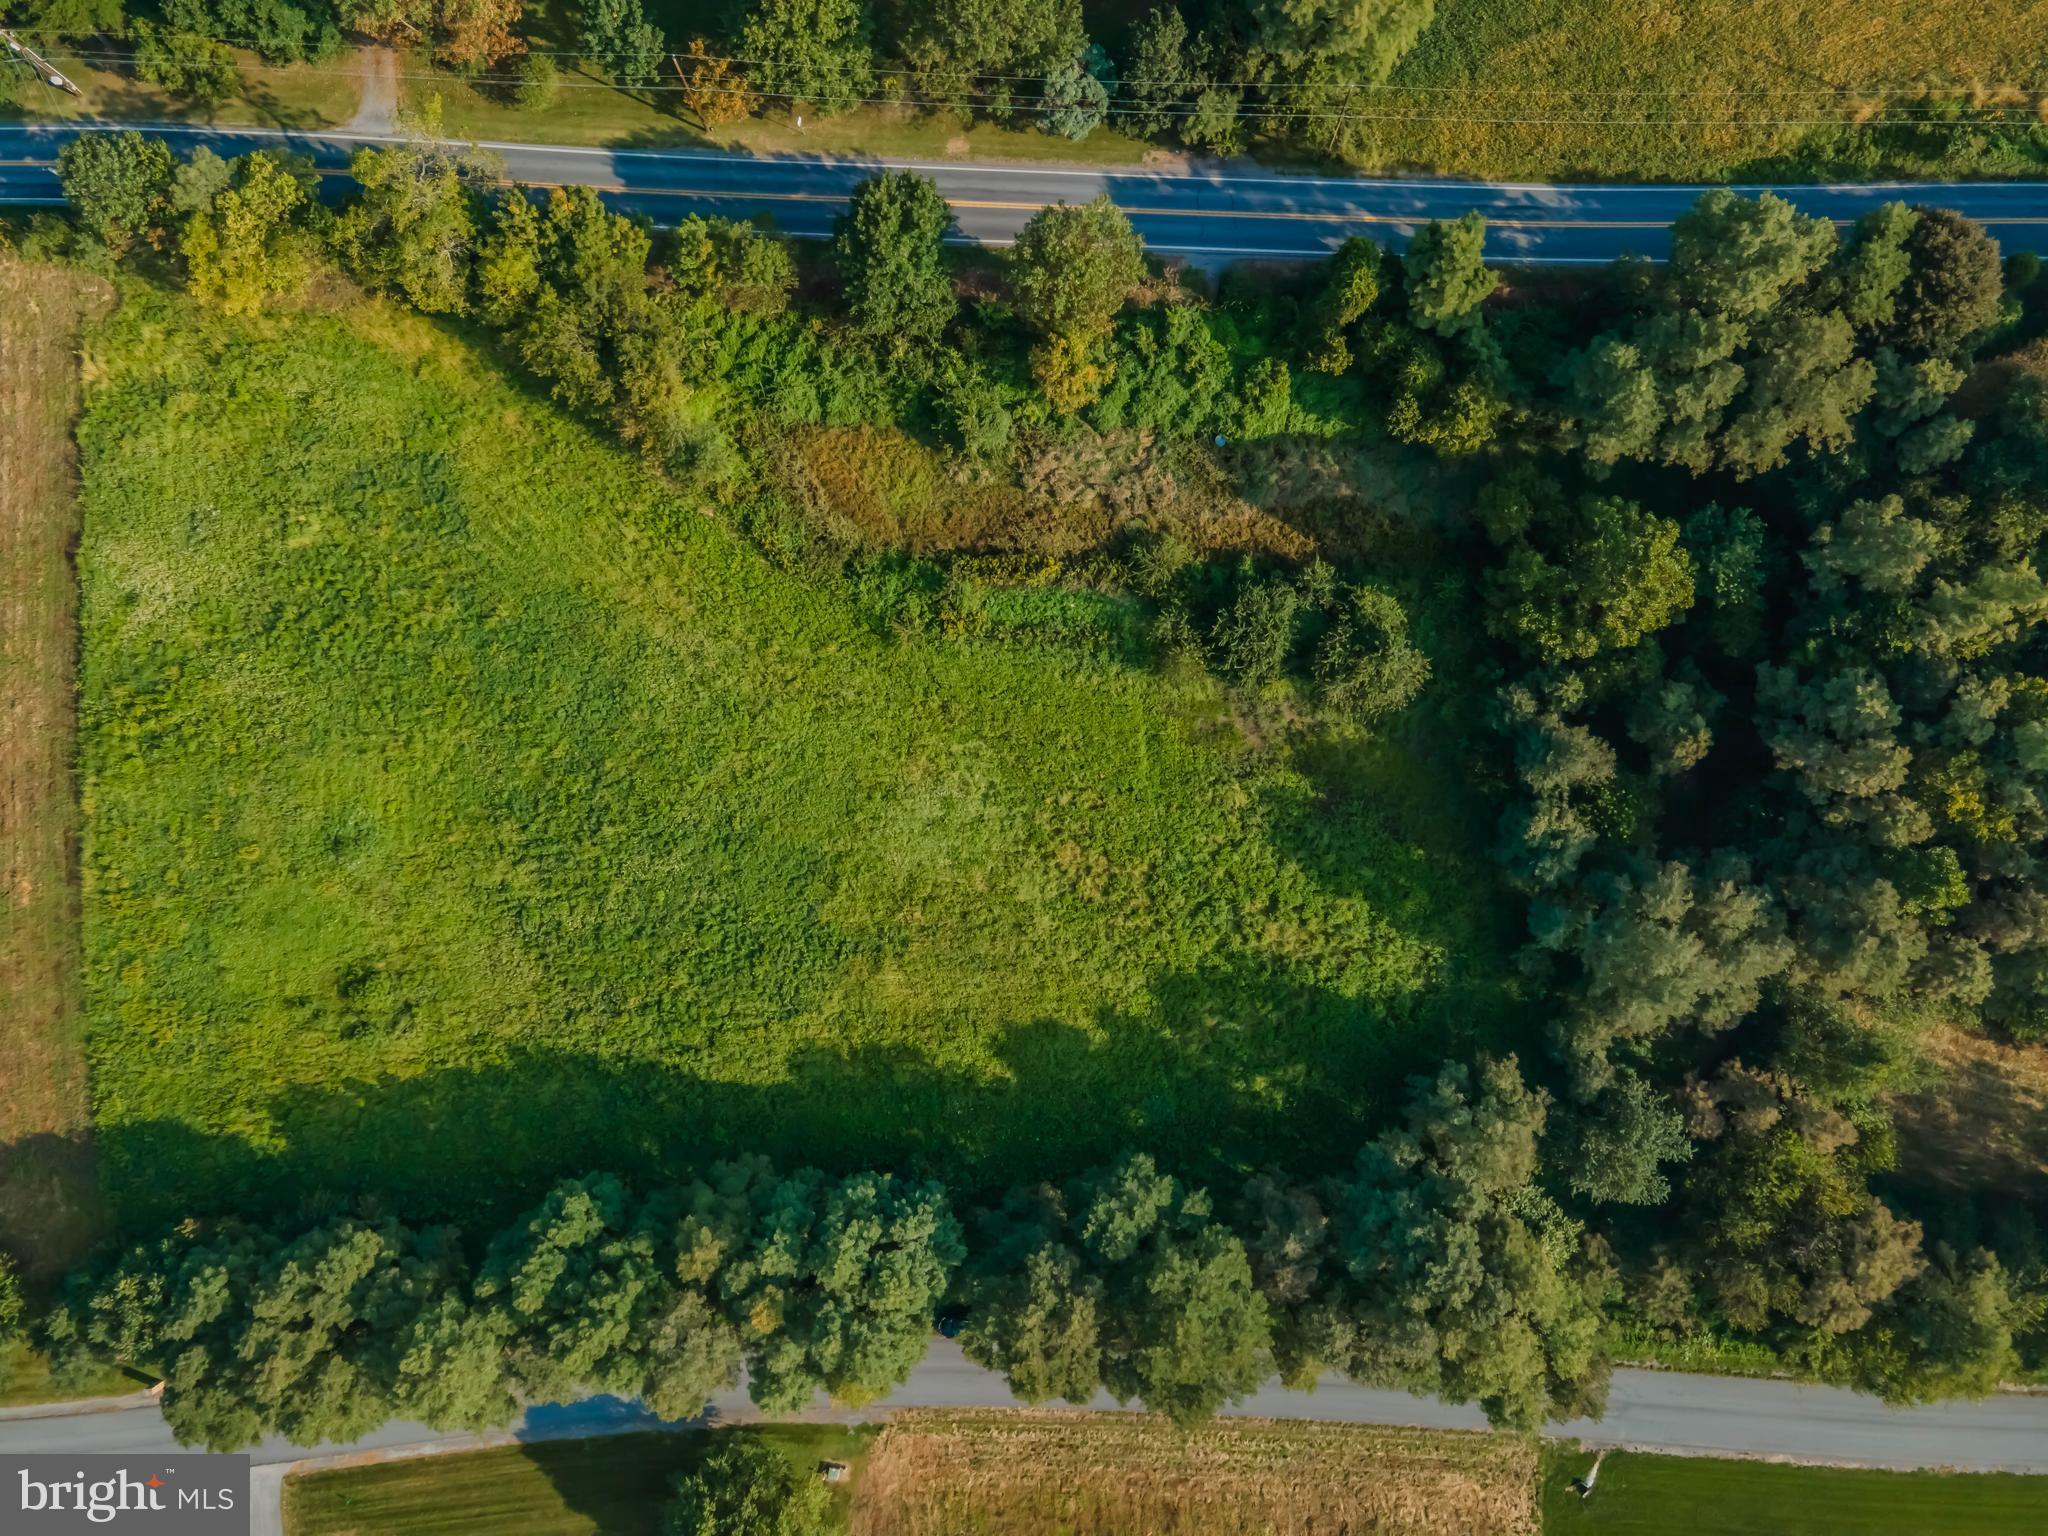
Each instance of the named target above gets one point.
<point>463,809</point>
<point>1637,1495</point>
<point>615,1486</point>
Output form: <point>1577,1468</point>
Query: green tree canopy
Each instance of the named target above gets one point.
<point>746,1487</point>
<point>953,41</point>
<point>248,246</point>
<point>1579,575</point>
<point>1035,1307</point>
<point>813,53</point>
<point>1155,82</point>
<point>891,249</point>
<point>1458,1277</point>
<point>415,227</point>
<point>839,1286</point>
<point>1741,257</point>
<point>1185,1329</point>
<point>1447,275</point>
<point>1953,287</point>
<point>589,1290</point>
<point>1072,268</point>
<point>119,184</point>
<point>620,38</point>
<point>1359,39</point>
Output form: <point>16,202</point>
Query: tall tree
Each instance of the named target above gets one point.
<point>248,246</point>
<point>414,228</point>
<point>840,1285</point>
<point>1447,275</point>
<point>119,184</point>
<point>1156,81</point>
<point>12,1310</point>
<point>589,1289</point>
<point>1353,39</point>
<point>620,38</point>
<point>1072,268</point>
<point>1035,1308</point>
<point>1447,1270</point>
<point>713,87</point>
<point>1953,285</point>
<point>812,53</point>
<point>1784,1233</point>
<point>952,42</point>
<point>1579,575</point>
<point>891,249</point>
<point>746,1487</point>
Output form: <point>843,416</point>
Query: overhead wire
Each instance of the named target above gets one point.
<point>1913,112</point>
<point>1204,82</point>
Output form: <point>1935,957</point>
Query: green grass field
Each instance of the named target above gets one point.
<point>1657,1495</point>
<point>25,1378</point>
<point>1718,88</point>
<point>463,810</point>
<point>616,1486</point>
<point>294,96</point>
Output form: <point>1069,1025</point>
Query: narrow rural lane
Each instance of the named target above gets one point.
<point>1238,211</point>
<point>1653,1410</point>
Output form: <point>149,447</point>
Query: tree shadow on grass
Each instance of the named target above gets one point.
<point>623,1483</point>
<point>1221,1071</point>
<point>50,1211</point>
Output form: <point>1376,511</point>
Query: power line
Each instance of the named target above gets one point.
<point>1200,83</point>
<point>985,102</point>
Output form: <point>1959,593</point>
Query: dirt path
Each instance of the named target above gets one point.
<point>377,112</point>
<point>47,1201</point>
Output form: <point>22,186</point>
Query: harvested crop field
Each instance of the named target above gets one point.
<point>45,1168</point>
<point>1591,89</point>
<point>1009,1473</point>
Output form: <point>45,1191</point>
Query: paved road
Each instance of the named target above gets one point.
<point>1239,212</point>
<point>1653,1409</point>
<point>1661,1410</point>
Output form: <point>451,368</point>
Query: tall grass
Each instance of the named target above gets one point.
<point>462,809</point>
<point>1718,89</point>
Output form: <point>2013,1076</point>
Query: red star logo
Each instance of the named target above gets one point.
<point>155,1481</point>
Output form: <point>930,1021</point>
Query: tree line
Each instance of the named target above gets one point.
<point>1755,542</point>
<point>1289,66</point>
<point>1436,1263</point>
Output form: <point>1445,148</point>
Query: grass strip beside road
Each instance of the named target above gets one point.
<point>615,1484</point>
<point>1641,1495</point>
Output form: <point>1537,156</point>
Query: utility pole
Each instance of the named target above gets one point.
<point>51,75</point>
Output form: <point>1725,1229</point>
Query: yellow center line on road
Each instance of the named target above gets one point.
<point>1327,216</point>
<point>1334,216</point>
